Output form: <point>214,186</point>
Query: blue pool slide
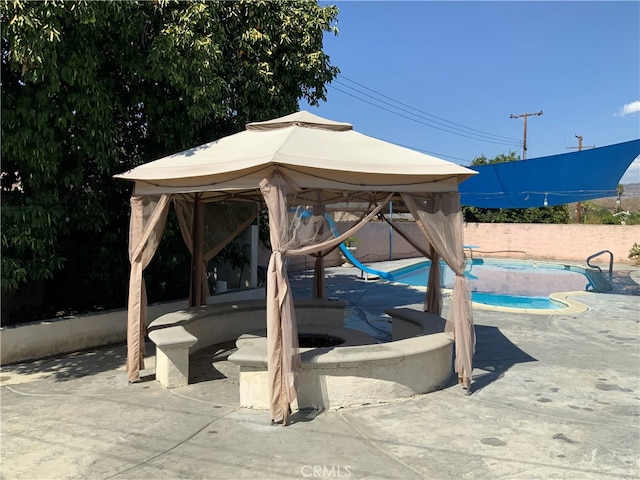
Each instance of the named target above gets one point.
<point>349,256</point>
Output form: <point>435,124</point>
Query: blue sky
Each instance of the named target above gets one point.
<point>458,70</point>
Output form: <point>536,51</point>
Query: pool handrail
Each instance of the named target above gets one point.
<point>591,257</point>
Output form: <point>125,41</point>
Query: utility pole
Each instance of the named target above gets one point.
<point>524,143</point>
<point>579,147</point>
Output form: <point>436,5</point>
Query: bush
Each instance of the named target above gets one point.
<point>634,253</point>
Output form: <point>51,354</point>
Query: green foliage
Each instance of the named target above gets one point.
<point>352,241</point>
<point>633,219</point>
<point>90,89</point>
<point>501,158</point>
<point>233,254</point>
<point>634,253</point>
<point>593,213</point>
<point>557,214</point>
<point>263,228</point>
<point>29,228</point>
<point>168,274</point>
<point>596,213</point>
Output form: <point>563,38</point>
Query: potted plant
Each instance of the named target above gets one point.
<point>634,253</point>
<point>351,244</point>
<point>231,261</point>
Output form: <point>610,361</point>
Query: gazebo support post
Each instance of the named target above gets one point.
<point>197,264</point>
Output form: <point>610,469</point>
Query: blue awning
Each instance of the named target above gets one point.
<point>564,178</point>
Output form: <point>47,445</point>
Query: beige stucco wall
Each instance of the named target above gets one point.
<point>559,242</point>
<point>511,240</point>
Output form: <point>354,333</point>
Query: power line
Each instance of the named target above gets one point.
<point>421,119</point>
<point>407,117</point>
<point>437,154</point>
<point>438,120</point>
<point>452,128</point>
<point>396,113</point>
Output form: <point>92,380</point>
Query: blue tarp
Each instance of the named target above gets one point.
<point>565,178</point>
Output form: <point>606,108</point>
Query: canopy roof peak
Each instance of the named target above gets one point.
<point>300,119</point>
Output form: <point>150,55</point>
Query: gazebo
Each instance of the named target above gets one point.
<point>299,162</point>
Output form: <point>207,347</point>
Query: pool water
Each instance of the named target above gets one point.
<point>506,283</point>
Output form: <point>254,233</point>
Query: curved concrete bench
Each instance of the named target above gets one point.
<point>410,323</point>
<point>179,334</point>
<point>359,371</point>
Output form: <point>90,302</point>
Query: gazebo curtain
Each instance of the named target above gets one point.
<point>217,225</point>
<point>190,215</point>
<point>439,216</point>
<point>304,235</point>
<point>201,235</point>
<point>147,222</point>
<point>433,295</point>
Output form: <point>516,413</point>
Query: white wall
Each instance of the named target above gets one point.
<point>71,334</point>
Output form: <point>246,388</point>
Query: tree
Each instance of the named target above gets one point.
<point>619,192</point>
<point>90,89</point>
<point>557,214</point>
<point>597,214</point>
<point>500,158</point>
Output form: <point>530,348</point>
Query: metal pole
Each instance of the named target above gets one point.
<point>579,137</point>
<point>578,205</point>
<point>524,143</point>
<point>390,231</point>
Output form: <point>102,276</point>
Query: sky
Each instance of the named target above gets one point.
<point>445,78</point>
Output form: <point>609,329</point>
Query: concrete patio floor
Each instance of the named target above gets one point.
<point>554,397</point>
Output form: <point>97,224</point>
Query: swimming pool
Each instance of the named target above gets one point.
<point>507,283</point>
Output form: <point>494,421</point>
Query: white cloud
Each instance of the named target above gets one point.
<point>628,109</point>
<point>632,175</point>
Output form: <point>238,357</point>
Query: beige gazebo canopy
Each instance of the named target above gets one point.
<point>296,160</point>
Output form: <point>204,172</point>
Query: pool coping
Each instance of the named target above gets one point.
<point>571,306</point>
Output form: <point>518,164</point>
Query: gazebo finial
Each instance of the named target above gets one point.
<point>300,119</point>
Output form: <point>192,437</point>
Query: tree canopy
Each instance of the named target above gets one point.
<point>90,89</point>
<point>500,158</point>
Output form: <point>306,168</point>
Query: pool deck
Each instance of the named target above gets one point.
<point>554,397</point>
